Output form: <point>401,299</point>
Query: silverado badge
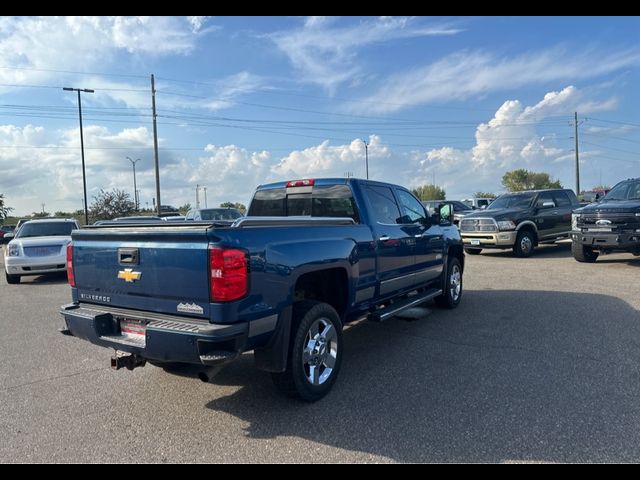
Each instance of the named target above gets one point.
<point>128,275</point>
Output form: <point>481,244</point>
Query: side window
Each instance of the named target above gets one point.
<point>334,201</point>
<point>190,215</point>
<point>562,200</point>
<point>412,209</point>
<point>383,205</point>
<point>268,203</point>
<point>543,198</point>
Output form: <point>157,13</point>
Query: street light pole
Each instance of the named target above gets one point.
<point>84,177</point>
<point>135,188</point>
<point>205,197</point>
<point>366,155</point>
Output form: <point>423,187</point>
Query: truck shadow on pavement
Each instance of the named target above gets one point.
<point>509,376</point>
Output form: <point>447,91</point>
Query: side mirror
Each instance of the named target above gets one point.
<point>548,205</point>
<point>8,237</point>
<point>446,213</point>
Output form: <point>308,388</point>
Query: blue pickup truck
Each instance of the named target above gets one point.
<point>310,256</point>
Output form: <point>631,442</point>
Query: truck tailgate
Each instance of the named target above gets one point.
<point>149,268</point>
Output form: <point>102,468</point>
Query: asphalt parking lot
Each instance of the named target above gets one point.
<point>540,363</point>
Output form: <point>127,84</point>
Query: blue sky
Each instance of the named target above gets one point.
<point>243,101</point>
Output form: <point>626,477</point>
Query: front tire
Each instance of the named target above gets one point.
<point>315,352</point>
<point>452,286</point>
<point>525,243</point>
<point>473,251</point>
<point>583,254</point>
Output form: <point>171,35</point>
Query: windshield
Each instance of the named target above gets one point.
<point>625,191</point>
<point>46,229</point>
<point>520,200</point>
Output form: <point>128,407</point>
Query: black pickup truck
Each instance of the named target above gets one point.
<point>613,224</point>
<point>520,220</point>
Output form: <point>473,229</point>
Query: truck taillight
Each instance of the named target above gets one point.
<point>307,182</point>
<point>229,274</point>
<point>70,276</point>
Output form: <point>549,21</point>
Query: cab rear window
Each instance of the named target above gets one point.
<point>322,201</point>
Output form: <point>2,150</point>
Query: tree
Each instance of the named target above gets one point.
<point>484,195</point>
<point>184,208</point>
<point>40,214</point>
<point>108,205</point>
<point>4,211</point>
<point>238,206</point>
<point>521,179</point>
<point>429,192</point>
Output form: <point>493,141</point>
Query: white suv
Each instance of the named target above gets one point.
<point>39,247</point>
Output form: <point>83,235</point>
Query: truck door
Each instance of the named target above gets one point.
<point>546,215</point>
<point>429,239</point>
<point>395,243</point>
<point>564,207</point>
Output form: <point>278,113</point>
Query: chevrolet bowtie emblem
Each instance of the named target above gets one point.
<point>128,275</point>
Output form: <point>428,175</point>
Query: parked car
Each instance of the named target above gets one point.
<point>311,256</point>
<point>478,203</point>
<point>198,214</point>
<point>611,225</point>
<point>5,229</point>
<point>520,221</point>
<point>39,247</point>
<point>594,195</point>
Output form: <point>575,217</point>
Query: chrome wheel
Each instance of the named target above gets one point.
<point>526,244</point>
<point>320,351</point>
<point>455,282</point>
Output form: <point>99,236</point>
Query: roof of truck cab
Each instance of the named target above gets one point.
<point>327,181</point>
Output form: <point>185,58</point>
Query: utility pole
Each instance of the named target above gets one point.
<point>197,195</point>
<point>205,196</point>
<point>155,142</point>
<point>84,177</point>
<point>577,155</point>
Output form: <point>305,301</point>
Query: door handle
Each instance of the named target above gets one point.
<point>384,238</point>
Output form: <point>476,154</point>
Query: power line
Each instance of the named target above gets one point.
<point>30,69</point>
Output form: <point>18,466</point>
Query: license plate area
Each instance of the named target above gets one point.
<point>133,330</point>
<point>599,229</point>
<point>475,241</point>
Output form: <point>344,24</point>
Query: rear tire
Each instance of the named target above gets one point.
<point>583,254</point>
<point>452,286</point>
<point>315,352</point>
<point>12,279</point>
